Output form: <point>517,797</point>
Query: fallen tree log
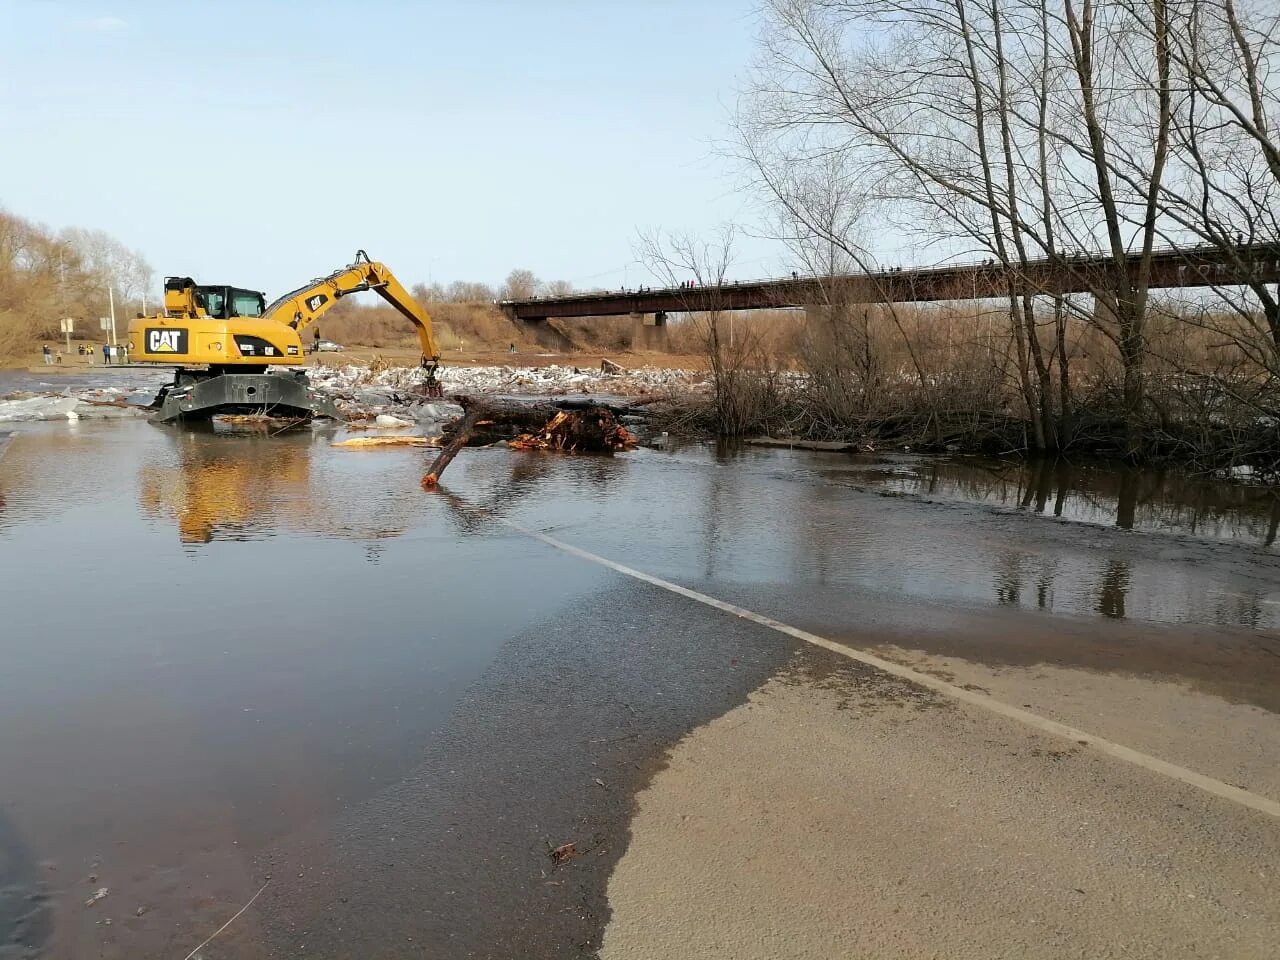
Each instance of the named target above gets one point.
<point>498,418</point>
<point>538,425</point>
<point>463,428</point>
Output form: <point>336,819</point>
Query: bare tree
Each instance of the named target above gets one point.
<point>45,276</point>
<point>467,291</point>
<point>744,383</point>
<point>1000,125</point>
<point>1228,193</point>
<point>557,288</point>
<point>108,261</point>
<point>519,285</point>
<point>426,293</point>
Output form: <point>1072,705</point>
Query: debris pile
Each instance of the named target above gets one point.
<point>554,380</point>
<point>579,431</point>
<point>564,853</point>
<point>563,425</point>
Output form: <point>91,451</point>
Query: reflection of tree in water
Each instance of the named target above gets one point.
<point>1245,609</point>
<point>5,438</point>
<point>1040,486</point>
<point>1012,575</point>
<point>530,471</point>
<point>1113,589</point>
<point>1044,587</point>
<point>1126,497</point>
<point>1008,577</point>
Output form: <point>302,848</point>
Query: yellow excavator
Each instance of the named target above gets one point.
<point>223,338</point>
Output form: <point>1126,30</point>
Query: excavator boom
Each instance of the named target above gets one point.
<point>304,306</point>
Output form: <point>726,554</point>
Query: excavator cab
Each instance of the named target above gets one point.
<point>227,302</point>
<point>183,297</point>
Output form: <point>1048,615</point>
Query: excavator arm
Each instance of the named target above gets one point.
<point>304,306</point>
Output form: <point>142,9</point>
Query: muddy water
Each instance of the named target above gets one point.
<point>215,640</point>
<point>769,516</point>
<point>210,641</point>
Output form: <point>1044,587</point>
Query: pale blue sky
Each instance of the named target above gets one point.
<point>262,143</point>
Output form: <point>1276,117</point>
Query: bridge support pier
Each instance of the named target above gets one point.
<point>547,336</point>
<point>815,313</point>
<point>650,332</point>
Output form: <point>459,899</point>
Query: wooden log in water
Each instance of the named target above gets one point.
<point>463,428</point>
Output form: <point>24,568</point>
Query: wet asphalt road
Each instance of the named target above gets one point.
<point>548,747</point>
<point>284,665</point>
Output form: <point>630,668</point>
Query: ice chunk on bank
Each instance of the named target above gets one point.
<point>37,408</point>
<point>63,408</point>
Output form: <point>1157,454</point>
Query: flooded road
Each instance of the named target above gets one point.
<point>240,659</point>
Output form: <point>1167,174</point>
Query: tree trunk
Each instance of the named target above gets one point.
<point>1064,373</point>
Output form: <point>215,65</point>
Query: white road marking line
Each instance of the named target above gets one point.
<point>1218,788</point>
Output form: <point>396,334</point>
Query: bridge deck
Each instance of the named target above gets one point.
<point>971,281</point>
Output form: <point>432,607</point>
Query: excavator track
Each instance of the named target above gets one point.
<point>201,394</point>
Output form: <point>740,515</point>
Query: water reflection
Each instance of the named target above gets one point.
<point>695,514</point>
<point>214,484</point>
<point>496,488</point>
<point>231,490</point>
<point>5,439</point>
<point>1113,589</point>
<point>709,515</point>
<point>198,658</point>
<point>1131,499</point>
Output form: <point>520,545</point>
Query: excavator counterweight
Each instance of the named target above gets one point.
<point>223,339</point>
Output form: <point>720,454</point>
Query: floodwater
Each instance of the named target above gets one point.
<point>214,640</point>
<point>1162,500</point>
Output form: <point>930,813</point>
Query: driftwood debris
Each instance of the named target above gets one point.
<point>567,427</point>
<point>366,443</point>
<point>573,431</point>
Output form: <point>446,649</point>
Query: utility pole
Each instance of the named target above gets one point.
<point>111,299</point>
